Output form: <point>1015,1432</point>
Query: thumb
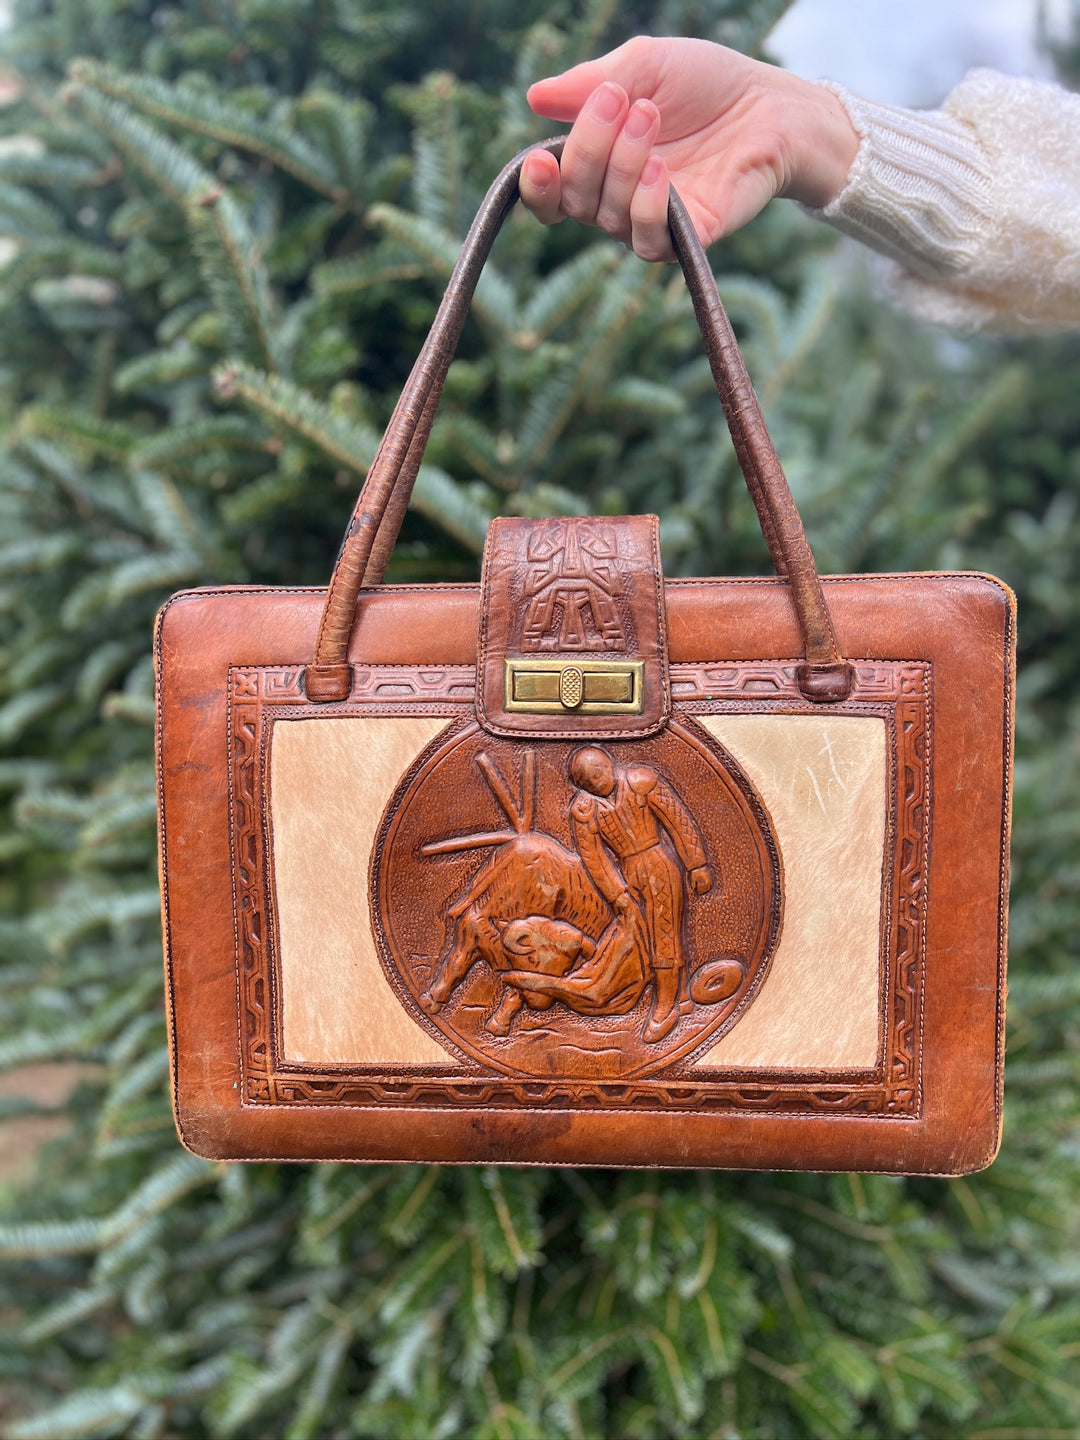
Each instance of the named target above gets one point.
<point>562,97</point>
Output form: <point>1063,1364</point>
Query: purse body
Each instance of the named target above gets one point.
<point>758,931</point>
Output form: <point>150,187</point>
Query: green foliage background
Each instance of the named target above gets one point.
<point>227,226</point>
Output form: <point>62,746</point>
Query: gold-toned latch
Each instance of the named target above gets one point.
<point>575,687</point>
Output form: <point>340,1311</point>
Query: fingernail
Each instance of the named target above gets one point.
<point>537,175</point>
<point>651,172</point>
<point>607,103</point>
<point>640,120</point>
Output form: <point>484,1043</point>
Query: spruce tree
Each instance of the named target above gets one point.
<point>226,227</point>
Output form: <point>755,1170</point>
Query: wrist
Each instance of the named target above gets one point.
<point>827,145</point>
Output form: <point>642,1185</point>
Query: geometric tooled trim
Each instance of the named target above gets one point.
<point>761,680</point>
<point>283,684</point>
<point>897,691</point>
<point>777,680</point>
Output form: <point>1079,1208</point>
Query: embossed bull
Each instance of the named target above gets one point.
<point>528,875</point>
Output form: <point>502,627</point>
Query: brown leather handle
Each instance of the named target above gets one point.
<point>380,509</point>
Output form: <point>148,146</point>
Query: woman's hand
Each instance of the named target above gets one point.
<point>728,132</point>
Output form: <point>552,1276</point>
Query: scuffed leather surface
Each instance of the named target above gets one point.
<point>961,625</point>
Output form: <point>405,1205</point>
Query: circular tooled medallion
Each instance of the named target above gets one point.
<point>565,910</point>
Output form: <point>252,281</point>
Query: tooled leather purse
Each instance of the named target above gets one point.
<point>579,866</point>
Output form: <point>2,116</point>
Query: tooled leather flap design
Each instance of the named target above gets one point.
<point>573,637</point>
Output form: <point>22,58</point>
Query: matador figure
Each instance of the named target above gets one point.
<point>626,821</point>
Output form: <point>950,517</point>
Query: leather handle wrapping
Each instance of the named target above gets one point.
<point>383,500</point>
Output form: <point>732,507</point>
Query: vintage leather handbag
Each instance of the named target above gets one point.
<point>579,866</point>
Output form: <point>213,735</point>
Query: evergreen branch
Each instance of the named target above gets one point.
<point>202,113</point>
<point>24,774</point>
<point>289,408</point>
<point>54,804</point>
<point>871,1234</point>
<point>86,1412</point>
<point>437,164</point>
<point>1037,1376</point>
<point>462,511</point>
<point>688,1399</point>
<point>462,435</point>
<point>345,126</point>
<point>850,545</point>
<point>259,500</point>
<point>858,393</point>
<point>51,170</point>
<point>160,1190</point>
<point>38,553</point>
<point>106,588</point>
<point>87,433</point>
<point>817,301</point>
<point>234,272</point>
<point>403,1288</point>
<point>822,1408</point>
<point>165,511</point>
<point>248,1388</point>
<point>44,660</point>
<point>565,291</point>
<point>183,442</point>
<point>538,54</point>
<point>27,708</point>
<point>355,1202</point>
<point>723,1361</point>
<point>160,159</point>
<point>62,258</point>
<point>139,709</point>
<point>157,368</point>
<point>645,399</point>
<point>361,272</point>
<point>233,1243</point>
<point>523,1247</point>
<point>77,303</point>
<point>410,1202</point>
<point>128,812</point>
<point>693,1284</point>
<point>548,499</point>
<point>585,372</point>
<point>71,1309</point>
<point>182,315</point>
<point>586,1357</point>
<point>115,911</point>
<point>302,240</point>
<point>25,215</point>
<point>494,301</point>
<point>929,465</point>
<point>81,1036</point>
<point>309,1419</point>
<point>58,1237</point>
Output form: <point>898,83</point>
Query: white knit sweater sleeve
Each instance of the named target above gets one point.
<point>978,202</point>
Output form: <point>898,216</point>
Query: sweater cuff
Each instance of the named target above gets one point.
<point>919,189</point>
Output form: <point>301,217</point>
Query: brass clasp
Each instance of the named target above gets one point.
<point>575,687</point>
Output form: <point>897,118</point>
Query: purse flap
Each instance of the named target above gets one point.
<point>573,635</point>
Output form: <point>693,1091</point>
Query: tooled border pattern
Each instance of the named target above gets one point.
<point>899,687</point>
